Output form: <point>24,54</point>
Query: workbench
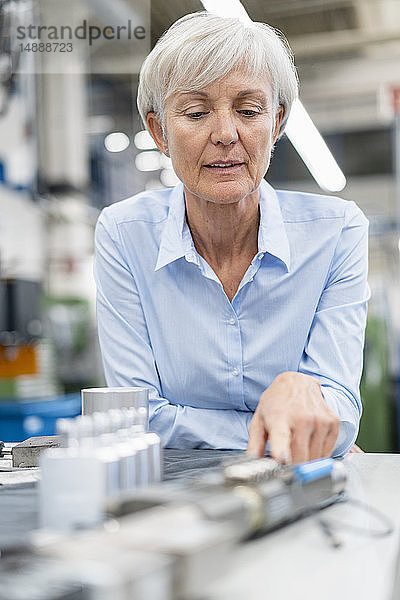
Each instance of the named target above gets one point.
<point>296,562</point>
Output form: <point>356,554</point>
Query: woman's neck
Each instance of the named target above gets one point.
<point>224,233</point>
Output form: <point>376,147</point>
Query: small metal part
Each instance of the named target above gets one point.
<point>251,471</point>
<point>4,451</point>
<point>27,453</point>
<point>255,503</point>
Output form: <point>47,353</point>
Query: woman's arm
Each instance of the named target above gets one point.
<point>298,414</point>
<point>129,360</point>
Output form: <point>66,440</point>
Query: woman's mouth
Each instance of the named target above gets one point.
<point>224,166</point>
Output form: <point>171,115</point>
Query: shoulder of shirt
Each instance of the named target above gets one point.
<point>297,207</point>
<point>150,206</point>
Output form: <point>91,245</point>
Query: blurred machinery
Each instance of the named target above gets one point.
<point>170,541</point>
<point>20,327</point>
<point>10,18</point>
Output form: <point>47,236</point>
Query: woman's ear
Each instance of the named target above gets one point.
<point>157,132</point>
<point>278,121</point>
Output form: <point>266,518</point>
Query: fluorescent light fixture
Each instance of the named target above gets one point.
<point>300,129</point>
<point>148,161</point>
<point>116,142</point>
<point>144,141</point>
<point>165,162</point>
<point>226,8</point>
<point>168,178</point>
<point>308,142</point>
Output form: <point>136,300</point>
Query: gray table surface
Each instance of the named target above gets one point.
<point>296,562</point>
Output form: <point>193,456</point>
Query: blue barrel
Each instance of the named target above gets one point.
<point>21,419</point>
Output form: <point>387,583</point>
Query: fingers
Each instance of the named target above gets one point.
<point>322,439</point>
<point>301,439</point>
<point>258,436</point>
<point>332,435</point>
<point>280,438</point>
<point>293,415</point>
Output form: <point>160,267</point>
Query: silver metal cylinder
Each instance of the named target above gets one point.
<point>107,398</point>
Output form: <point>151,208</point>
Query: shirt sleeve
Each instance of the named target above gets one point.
<point>334,349</point>
<point>128,357</point>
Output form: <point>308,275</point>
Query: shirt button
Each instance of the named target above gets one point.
<point>260,256</point>
<point>232,321</point>
<point>235,371</point>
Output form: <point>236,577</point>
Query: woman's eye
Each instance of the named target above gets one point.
<point>248,112</point>
<point>196,115</point>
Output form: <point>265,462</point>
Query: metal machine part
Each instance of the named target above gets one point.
<point>197,524</point>
<point>104,399</point>
<point>27,453</point>
<point>251,470</point>
<point>256,495</point>
<point>111,575</point>
<point>104,455</point>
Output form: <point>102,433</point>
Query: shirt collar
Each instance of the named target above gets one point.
<point>272,237</point>
<point>176,239</point>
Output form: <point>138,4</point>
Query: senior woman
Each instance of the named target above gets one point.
<point>242,308</point>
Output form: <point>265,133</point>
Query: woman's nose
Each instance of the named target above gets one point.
<point>224,129</point>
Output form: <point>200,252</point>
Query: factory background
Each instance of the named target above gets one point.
<point>71,142</point>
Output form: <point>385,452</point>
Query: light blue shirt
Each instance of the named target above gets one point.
<point>165,321</point>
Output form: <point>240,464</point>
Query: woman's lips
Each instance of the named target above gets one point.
<point>224,167</point>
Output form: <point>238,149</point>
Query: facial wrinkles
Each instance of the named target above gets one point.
<point>224,121</point>
<point>226,110</point>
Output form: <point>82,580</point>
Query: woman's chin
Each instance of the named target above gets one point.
<point>222,193</point>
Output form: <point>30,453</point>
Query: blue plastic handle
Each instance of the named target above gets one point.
<point>315,469</point>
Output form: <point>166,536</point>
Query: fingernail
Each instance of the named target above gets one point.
<point>284,458</point>
<point>252,453</point>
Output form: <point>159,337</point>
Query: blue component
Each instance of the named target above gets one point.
<point>21,419</point>
<point>315,469</point>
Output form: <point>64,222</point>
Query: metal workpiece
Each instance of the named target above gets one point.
<point>315,482</point>
<point>248,508</point>
<point>197,523</point>
<point>196,548</point>
<point>253,503</point>
<point>4,450</point>
<point>251,470</point>
<point>93,574</point>
<point>129,466</point>
<point>107,398</point>
<point>154,457</point>
<point>142,462</point>
<point>27,453</point>
<point>271,494</point>
<point>338,477</point>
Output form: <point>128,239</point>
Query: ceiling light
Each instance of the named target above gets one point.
<point>116,142</point>
<point>165,162</point>
<point>168,178</point>
<point>148,161</point>
<point>144,141</point>
<point>226,8</point>
<point>309,143</point>
<point>300,129</point>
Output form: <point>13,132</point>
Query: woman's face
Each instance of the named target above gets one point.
<point>220,137</point>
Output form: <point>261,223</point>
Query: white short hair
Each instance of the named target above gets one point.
<point>200,48</point>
